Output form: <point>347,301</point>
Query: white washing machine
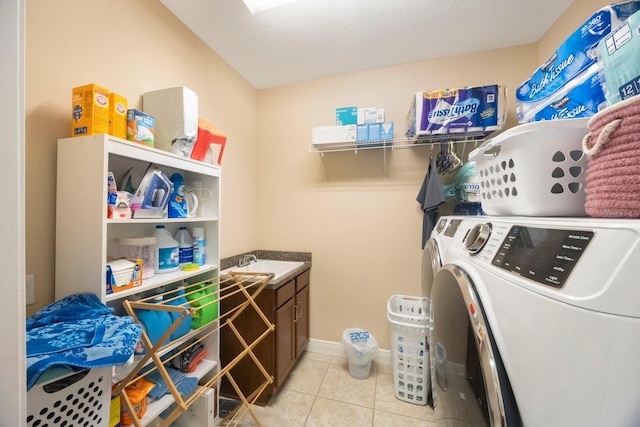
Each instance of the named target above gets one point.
<point>536,322</point>
<point>433,254</point>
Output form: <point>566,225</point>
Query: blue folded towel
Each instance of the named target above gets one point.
<point>78,332</point>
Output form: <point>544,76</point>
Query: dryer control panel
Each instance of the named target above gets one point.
<point>545,255</point>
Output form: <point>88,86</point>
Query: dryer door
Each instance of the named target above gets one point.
<point>469,384</point>
<point>431,263</point>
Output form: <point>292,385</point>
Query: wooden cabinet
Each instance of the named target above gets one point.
<point>287,307</point>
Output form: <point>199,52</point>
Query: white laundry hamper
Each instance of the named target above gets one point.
<point>77,399</point>
<point>408,322</point>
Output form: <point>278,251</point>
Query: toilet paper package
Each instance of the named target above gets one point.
<point>575,55</point>
<point>461,110</point>
<point>582,97</point>
<point>176,118</point>
<point>619,60</point>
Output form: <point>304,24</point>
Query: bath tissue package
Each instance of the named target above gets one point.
<point>575,55</point>
<point>461,110</point>
<point>176,113</point>
<point>581,97</point>
<point>619,58</point>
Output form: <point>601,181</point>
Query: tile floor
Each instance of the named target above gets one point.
<point>320,392</point>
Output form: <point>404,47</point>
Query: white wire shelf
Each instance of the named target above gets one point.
<point>399,143</point>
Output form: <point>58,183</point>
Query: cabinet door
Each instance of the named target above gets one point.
<point>285,340</point>
<point>302,320</point>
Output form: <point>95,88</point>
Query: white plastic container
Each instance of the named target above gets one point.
<point>167,255</point>
<point>199,255</point>
<point>185,246</point>
<point>143,248</point>
<point>534,169</point>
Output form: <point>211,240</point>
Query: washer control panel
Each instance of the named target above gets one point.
<point>545,255</point>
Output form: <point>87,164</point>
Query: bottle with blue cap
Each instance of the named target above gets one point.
<point>177,207</point>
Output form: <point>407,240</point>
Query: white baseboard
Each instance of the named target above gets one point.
<point>333,348</point>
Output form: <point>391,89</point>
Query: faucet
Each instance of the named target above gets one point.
<point>246,260</point>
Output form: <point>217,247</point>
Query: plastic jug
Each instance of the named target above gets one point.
<point>198,245</point>
<point>167,257</point>
<point>155,322</point>
<point>185,246</point>
<point>185,325</point>
<point>205,302</point>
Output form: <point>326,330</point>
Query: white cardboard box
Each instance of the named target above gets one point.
<point>176,112</point>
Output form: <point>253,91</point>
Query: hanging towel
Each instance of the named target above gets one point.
<point>430,197</point>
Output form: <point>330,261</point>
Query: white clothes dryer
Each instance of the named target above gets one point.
<point>536,322</point>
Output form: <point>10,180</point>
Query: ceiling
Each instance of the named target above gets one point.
<point>311,39</point>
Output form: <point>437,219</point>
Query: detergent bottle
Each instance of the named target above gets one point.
<point>167,256</point>
<point>177,298</point>
<point>205,303</point>
<point>185,246</point>
<point>198,245</point>
<point>155,322</point>
<point>177,207</point>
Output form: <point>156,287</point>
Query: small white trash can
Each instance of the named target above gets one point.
<point>361,347</point>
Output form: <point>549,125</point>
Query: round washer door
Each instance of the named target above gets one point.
<point>431,263</point>
<point>469,384</point>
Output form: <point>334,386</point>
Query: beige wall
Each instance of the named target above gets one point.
<point>362,227</point>
<point>129,48</point>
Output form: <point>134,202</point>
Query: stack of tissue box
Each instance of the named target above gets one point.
<point>364,126</point>
<point>568,84</point>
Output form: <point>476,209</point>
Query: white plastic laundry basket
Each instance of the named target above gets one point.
<point>79,399</point>
<point>534,169</point>
<point>408,319</point>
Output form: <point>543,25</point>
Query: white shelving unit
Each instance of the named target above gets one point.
<point>85,238</point>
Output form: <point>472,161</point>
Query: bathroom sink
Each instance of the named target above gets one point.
<point>278,268</point>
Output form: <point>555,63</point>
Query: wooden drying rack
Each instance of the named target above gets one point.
<point>234,283</point>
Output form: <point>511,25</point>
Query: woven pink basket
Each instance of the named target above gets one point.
<point>613,171</point>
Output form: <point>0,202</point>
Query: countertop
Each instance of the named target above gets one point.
<point>304,257</point>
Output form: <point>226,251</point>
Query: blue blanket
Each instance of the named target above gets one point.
<point>78,331</point>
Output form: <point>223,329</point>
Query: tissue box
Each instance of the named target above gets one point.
<point>346,116</point>
<point>140,127</point>
<point>333,134</point>
<point>462,110</point>
<point>386,131</point>
<point>123,274</point>
<point>90,110</point>
<point>176,113</point>
<point>620,61</point>
<point>117,115</point>
<point>576,54</point>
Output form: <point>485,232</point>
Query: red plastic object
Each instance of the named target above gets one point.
<point>208,134</point>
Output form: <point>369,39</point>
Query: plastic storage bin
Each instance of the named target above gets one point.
<point>143,248</point>
<point>534,169</point>
<point>408,319</point>
<point>80,399</point>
